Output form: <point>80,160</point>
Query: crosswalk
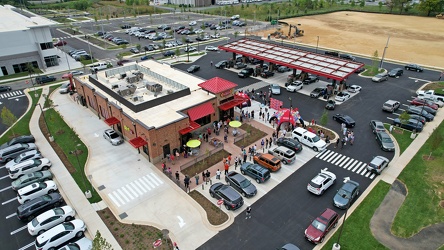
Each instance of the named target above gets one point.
<point>135,189</point>
<point>343,161</point>
<point>11,94</point>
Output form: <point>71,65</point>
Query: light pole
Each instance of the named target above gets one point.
<point>44,119</point>
<point>289,113</point>
<point>337,246</point>
<point>383,53</point>
<point>317,45</point>
<point>66,56</point>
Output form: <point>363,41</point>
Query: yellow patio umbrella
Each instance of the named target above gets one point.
<point>193,143</point>
<point>235,124</point>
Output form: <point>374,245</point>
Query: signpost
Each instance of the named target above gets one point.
<point>220,202</point>
<point>157,243</point>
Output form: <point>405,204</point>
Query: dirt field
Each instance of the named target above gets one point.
<point>412,39</point>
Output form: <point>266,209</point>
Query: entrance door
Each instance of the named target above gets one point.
<point>145,150</point>
<point>119,127</point>
<point>166,150</point>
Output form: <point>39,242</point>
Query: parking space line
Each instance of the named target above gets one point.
<point>6,188</point>
<point>11,215</point>
<point>157,178</point>
<point>4,177</point>
<point>9,201</point>
<point>110,195</point>
<point>19,229</point>
<point>27,246</point>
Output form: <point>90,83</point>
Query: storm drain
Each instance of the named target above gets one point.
<point>123,216</point>
<point>101,187</point>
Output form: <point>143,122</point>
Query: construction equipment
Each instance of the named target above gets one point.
<point>298,32</point>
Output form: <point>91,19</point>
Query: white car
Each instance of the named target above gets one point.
<point>190,49</point>
<point>354,89</point>
<point>275,89</point>
<point>113,137</point>
<point>199,31</point>
<point>50,219</point>
<point>60,234</point>
<point>29,166</point>
<point>82,244</point>
<point>35,190</point>
<point>211,48</point>
<point>192,23</point>
<point>215,35</point>
<point>76,72</point>
<point>30,155</point>
<point>342,96</point>
<point>169,45</point>
<point>321,182</point>
<point>297,85</point>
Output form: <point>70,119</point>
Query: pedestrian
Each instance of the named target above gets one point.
<point>186,181</point>
<point>236,160</point>
<point>254,149</point>
<point>391,129</point>
<point>252,114</point>
<point>268,116</point>
<point>229,159</point>
<point>343,142</point>
<point>248,213</point>
<point>266,142</point>
<point>203,176</point>
<point>337,143</point>
<point>177,175</point>
<point>245,158</point>
<point>226,166</point>
<point>352,139</point>
<point>197,179</point>
<point>218,174</point>
<point>164,167</point>
<point>270,141</point>
<point>211,63</point>
<point>207,176</point>
<point>345,131</point>
<point>263,116</point>
<point>262,144</point>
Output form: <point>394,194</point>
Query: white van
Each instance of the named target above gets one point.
<point>308,138</point>
<point>99,66</point>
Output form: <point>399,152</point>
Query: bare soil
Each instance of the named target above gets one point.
<point>412,39</point>
<point>215,215</point>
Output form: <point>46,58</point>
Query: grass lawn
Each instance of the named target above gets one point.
<point>401,135</point>
<point>424,179</point>
<point>253,135</point>
<point>87,62</point>
<point>22,126</point>
<point>215,215</point>
<point>356,233</point>
<point>437,86</point>
<point>371,71</point>
<point>202,165</point>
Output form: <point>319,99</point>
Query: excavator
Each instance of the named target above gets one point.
<point>298,32</point>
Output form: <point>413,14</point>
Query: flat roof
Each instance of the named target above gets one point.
<point>180,91</point>
<point>11,19</point>
<point>314,63</point>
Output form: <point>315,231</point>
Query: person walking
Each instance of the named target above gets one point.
<point>337,143</point>
<point>207,176</point>
<point>248,213</point>
<point>229,159</point>
<point>266,142</point>
<point>211,63</point>
<point>270,141</point>
<point>226,166</point>
<point>177,175</point>
<point>343,142</point>
<point>245,156</point>
<point>218,174</point>
<point>186,181</point>
<point>262,145</point>
<point>197,179</point>
<point>352,138</point>
<point>236,160</point>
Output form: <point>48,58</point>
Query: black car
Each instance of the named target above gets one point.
<point>385,142</point>
<point>245,72</point>
<point>34,207</point>
<point>360,70</point>
<point>418,117</point>
<point>311,79</point>
<point>193,68</point>
<point>19,139</point>
<point>168,53</point>
<point>221,64</point>
<point>125,26</point>
<point>189,40</point>
<point>179,28</point>
<point>428,110</point>
<point>149,48</point>
<point>240,65</point>
<point>346,195</point>
<point>331,104</point>
<point>341,118</point>
<point>332,53</point>
<point>289,143</point>
<point>5,88</point>
<point>396,72</point>
<point>241,184</point>
<point>317,92</point>
<point>420,111</point>
<point>232,199</point>
<point>282,69</point>
<point>267,74</point>
<point>410,124</point>
<point>413,67</point>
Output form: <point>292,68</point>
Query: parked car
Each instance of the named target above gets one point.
<point>275,89</point>
<point>232,199</point>
<point>354,89</point>
<point>246,72</point>
<point>391,106</point>
<point>81,244</point>
<point>259,173</point>
<point>28,166</point>
<point>267,74</point>
<point>282,69</point>
<point>60,234</point>
<point>378,164</point>
<point>317,92</point>
<point>190,49</point>
<point>420,111</point>
<point>19,139</point>
<point>49,219</point>
<point>65,88</point>
<point>134,50</point>
<point>377,126</point>
<point>321,182</point>
<point>311,79</point>
<point>168,53</point>
<point>44,79</point>
<point>342,96</point>
<point>192,23</point>
<point>296,85</point>
<point>346,195</point>
<point>331,104</point>
<point>29,155</point>
<point>321,226</point>
<point>11,152</point>
<point>147,57</point>
<point>348,57</point>
<point>360,70</point>
<point>60,43</point>
<point>414,67</point>
<point>29,210</point>
<point>76,72</point>
<point>241,184</point>
<point>289,246</point>
<point>410,124</point>
<point>290,143</point>
<point>35,190</point>
<point>267,161</point>
<point>5,88</point>
<point>422,102</point>
<point>384,141</point>
<point>221,64</point>
<point>211,48</point>
<point>396,72</point>
<point>418,118</point>
<point>193,68</point>
<point>113,137</point>
<point>28,179</point>
<point>341,118</point>
<point>380,77</point>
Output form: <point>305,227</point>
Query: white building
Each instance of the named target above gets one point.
<point>25,38</point>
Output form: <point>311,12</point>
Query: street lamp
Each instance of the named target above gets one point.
<point>44,119</point>
<point>76,153</point>
<point>289,113</point>
<point>66,56</point>
<point>336,246</point>
<point>317,45</point>
<point>383,53</point>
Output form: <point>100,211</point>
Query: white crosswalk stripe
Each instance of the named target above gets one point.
<point>345,162</point>
<point>135,189</point>
<point>11,94</point>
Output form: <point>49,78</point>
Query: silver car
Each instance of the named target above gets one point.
<point>113,137</point>
<point>64,89</point>
<point>275,89</point>
<point>380,77</point>
<point>385,142</point>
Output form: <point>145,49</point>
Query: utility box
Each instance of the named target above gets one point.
<point>153,87</point>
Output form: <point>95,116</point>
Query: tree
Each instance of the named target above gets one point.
<point>138,46</point>
<point>429,6</point>
<point>236,34</point>
<point>380,5</point>
<point>100,243</point>
<point>375,61</point>
<point>8,118</point>
<point>119,56</point>
<point>390,5</point>
<point>362,4</point>
<point>324,118</point>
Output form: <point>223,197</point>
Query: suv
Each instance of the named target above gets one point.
<point>245,72</point>
<point>241,184</point>
<point>50,219</point>
<point>260,174</point>
<point>320,227</point>
<point>321,182</point>
<point>347,56</point>
<point>44,79</point>
<point>29,210</point>
<point>232,199</point>
<point>420,111</point>
<point>19,139</point>
<point>308,138</point>
<point>221,64</point>
<point>29,166</point>
<point>391,106</point>
<point>60,234</point>
<point>290,143</point>
<point>378,164</point>
<point>15,150</point>
<point>32,154</point>
<point>35,190</point>
<point>287,156</point>
<point>268,161</point>
<point>317,92</point>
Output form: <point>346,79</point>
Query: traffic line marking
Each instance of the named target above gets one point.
<point>357,166</point>
<point>19,229</point>
<point>361,168</point>
<point>344,161</point>
<point>331,157</point>
<point>145,178</point>
<point>16,97</point>
<point>152,180</point>
<point>338,160</point>
<point>353,164</point>
<point>136,188</point>
<point>145,184</point>
<point>6,188</point>
<point>157,178</point>
<point>130,188</point>
<point>9,201</point>
<point>372,176</point>
<point>110,195</point>
<point>123,195</point>
<point>27,246</point>
<point>127,193</point>
<point>11,215</point>
<point>4,177</point>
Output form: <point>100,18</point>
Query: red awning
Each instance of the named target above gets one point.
<point>231,104</point>
<point>201,111</point>
<point>193,126</point>
<point>137,142</point>
<point>111,121</point>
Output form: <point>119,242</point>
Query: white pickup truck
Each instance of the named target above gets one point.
<point>430,94</point>
<point>308,138</point>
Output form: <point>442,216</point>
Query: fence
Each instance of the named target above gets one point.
<point>204,155</point>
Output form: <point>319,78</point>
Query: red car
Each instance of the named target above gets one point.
<point>422,102</point>
<point>60,43</point>
<point>320,227</point>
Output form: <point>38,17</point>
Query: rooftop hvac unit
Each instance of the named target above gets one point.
<point>153,87</point>
<point>127,90</point>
